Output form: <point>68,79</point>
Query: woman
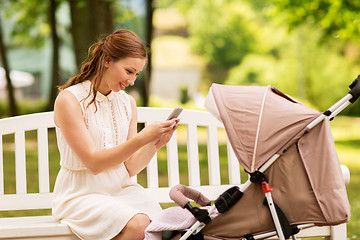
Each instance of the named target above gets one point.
<point>100,149</point>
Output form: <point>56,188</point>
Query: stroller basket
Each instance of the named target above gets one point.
<point>288,150</point>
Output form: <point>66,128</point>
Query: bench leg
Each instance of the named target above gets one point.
<point>338,232</point>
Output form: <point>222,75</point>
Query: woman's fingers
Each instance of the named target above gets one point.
<point>170,124</point>
<point>166,136</point>
<point>159,131</point>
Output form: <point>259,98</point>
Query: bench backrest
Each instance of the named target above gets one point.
<point>193,121</point>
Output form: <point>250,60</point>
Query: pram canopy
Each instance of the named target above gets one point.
<point>307,179</point>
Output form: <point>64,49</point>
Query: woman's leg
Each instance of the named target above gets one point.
<point>135,228</point>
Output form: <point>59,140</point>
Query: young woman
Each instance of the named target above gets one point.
<point>100,149</point>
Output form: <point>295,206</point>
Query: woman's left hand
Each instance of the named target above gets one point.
<point>165,137</point>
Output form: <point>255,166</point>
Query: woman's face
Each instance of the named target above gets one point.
<point>120,74</point>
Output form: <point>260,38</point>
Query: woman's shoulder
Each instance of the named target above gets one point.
<point>79,89</point>
<point>72,96</point>
<point>66,104</point>
<point>66,98</point>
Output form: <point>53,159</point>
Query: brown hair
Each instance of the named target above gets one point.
<point>118,45</point>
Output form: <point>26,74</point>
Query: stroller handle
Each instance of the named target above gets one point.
<point>355,89</point>
<point>181,194</point>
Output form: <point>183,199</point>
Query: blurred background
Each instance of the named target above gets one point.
<point>308,49</point>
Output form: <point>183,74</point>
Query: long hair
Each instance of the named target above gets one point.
<point>118,45</point>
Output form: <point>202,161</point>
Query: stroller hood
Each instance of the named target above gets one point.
<point>307,179</point>
<point>257,120</point>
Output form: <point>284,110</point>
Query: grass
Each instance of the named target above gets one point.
<point>346,133</point>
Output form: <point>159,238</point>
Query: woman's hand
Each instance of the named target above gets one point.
<point>157,135</point>
<point>165,138</point>
<point>159,130</point>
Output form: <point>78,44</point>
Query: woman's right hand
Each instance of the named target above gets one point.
<point>154,131</point>
<point>152,137</point>
<point>165,138</point>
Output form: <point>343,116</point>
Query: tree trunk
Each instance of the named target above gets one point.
<point>13,111</point>
<point>90,19</point>
<point>149,36</point>
<point>55,69</point>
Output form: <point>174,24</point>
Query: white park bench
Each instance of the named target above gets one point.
<point>201,127</point>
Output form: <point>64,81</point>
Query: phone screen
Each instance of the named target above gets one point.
<point>175,113</point>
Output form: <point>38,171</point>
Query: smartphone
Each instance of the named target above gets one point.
<point>175,113</point>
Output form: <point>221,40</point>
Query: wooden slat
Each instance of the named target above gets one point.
<point>28,201</point>
<point>152,173</point>
<point>20,162</point>
<point>213,156</point>
<point>173,161</point>
<point>200,118</point>
<point>43,160</point>
<point>233,166</point>
<point>211,192</point>
<point>193,155</point>
<point>134,178</point>
<point>1,166</point>
<point>35,228</point>
<point>26,122</point>
<point>152,170</point>
<point>338,232</point>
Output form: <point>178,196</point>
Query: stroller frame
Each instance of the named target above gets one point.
<point>334,110</point>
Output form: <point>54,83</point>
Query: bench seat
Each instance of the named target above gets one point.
<point>38,227</point>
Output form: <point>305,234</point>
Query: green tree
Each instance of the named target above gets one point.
<point>28,30</point>
<point>149,36</point>
<point>13,110</point>
<point>90,19</point>
<point>299,66</point>
<point>55,68</point>
<point>35,20</point>
<point>337,18</point>
<point>222,31</point>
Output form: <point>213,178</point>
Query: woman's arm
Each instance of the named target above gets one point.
<point>68,117</point>
<point>141,158</point>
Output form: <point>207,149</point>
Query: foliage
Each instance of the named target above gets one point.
<point>314,62</point>
<point>300,67</point>
<point>31,26</point>
<point>337,18</point>
<point>347,139</point>
<point>250,39</point>
<point>123,15</point>
<point>184,95</point>
<point>167,3</point>
<point>222,31</point>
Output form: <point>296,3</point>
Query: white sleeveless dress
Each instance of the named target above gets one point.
<point>99,206</point>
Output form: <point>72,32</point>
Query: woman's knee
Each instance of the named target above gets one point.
<point>136,226</point>
<point>139,222</point>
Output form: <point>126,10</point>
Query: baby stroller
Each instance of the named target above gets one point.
<point>295,180</point>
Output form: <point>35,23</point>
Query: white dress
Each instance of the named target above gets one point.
<point>99,206</point>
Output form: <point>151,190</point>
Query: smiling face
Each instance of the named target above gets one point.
<point>120,74</point>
